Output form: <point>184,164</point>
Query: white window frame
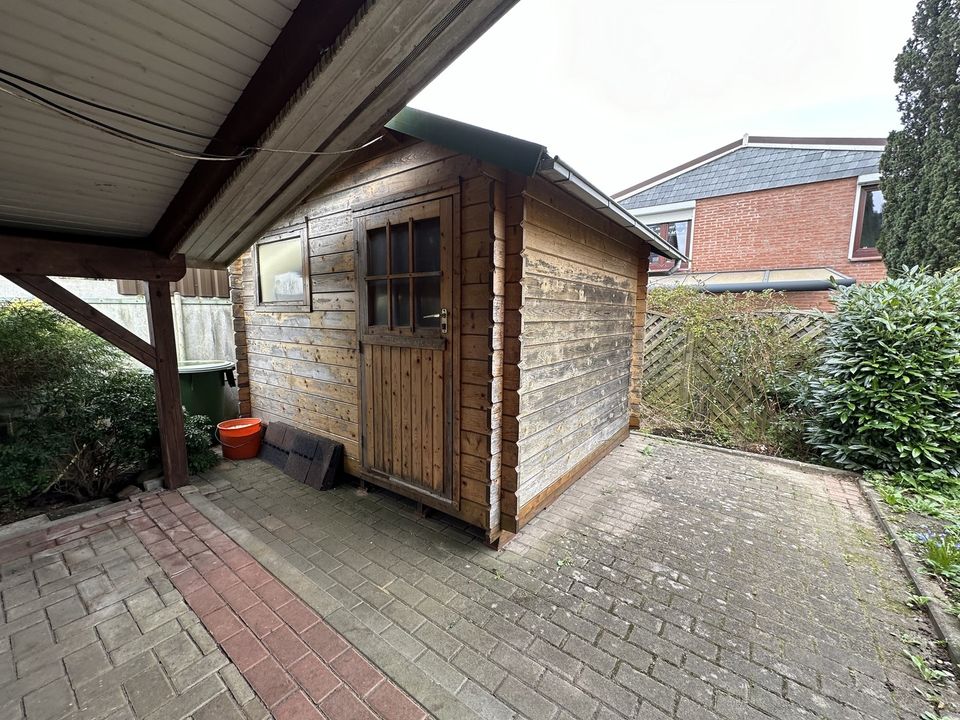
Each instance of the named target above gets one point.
<point>871,179</point>
<point>672,212</point>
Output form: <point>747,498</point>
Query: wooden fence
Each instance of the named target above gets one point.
<point>710,379</point>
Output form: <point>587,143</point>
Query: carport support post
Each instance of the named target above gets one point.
<point>166,377</point>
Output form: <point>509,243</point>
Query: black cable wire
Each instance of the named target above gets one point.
<point>193,154</point>
<point>33,97</point>
<point>105,108</point>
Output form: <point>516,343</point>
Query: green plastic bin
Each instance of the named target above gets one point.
<point>205,389</point>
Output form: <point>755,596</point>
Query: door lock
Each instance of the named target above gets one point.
<point>443,321</point>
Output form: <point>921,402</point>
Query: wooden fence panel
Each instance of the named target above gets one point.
<point>682,382</point>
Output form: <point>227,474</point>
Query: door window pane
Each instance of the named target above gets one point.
<point>377,302</point>
<point>426,302</point>
<point>426,245</point>
<point>399,248</point>
<point>280,266</point>
<point>401,302</point>
<point>377,252</point>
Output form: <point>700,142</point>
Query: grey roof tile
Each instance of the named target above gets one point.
<point>753,168</point>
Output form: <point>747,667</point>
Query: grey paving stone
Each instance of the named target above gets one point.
<point>50,702</point>
<point>148,690</point>
<point>222,707</point>
<point>87,663</point>
<point>684,588</point>
<point>483,703</point>
<point>118,631</point>
<point>527,701</point>
<point>65,611</point>
<point>573,700</point>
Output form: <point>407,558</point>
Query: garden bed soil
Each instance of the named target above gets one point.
<point>53,508</point>
<point>690,435</point>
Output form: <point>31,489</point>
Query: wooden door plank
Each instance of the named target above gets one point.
<point>383,405</point>
<point>438,421</point>
<point>416,419</point>
<point>426,425</point>
<point>396,422</point>
<point>405,401</point>
<point>368,432</point>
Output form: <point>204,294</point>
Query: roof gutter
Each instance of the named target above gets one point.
<point>565,177</point>
<point>781,286</point>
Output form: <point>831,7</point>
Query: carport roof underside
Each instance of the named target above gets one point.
<point>212,79</point>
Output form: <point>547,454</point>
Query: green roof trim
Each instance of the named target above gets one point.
<point>506,151</point>
<point>524,158</point>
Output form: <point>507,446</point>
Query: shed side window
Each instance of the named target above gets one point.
<point>282,271</point>
<point>403,276</point>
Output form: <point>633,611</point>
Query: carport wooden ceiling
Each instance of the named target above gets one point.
<point>318,76</point>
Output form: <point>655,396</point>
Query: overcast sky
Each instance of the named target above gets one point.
<point>624,89</point>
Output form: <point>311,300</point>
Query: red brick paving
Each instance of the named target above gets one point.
<point>299,666</point>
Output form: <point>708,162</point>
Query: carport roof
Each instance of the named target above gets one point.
<point>316,78</point>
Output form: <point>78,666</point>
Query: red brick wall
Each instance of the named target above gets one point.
<point>792,227</point>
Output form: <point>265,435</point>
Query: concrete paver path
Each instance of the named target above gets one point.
<point>671,581</point>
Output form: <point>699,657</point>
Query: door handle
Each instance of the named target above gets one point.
<point>443,321</point>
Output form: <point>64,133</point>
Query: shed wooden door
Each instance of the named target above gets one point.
<point>406,315</point>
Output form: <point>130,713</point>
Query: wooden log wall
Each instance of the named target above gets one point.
<point>639,337</point>
<point>304,368</point>
<point>571,303</point>
<point>481,345</point>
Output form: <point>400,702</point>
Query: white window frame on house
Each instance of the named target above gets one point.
<point>669,213</point>
<point>862,181</point>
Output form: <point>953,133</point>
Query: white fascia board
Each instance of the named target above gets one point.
<point>565,177</point>
<point>809,146</point>
<point>671,212</point>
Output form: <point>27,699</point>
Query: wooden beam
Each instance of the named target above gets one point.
<point>26,254</point>
<point>173,447</point>
<point>73,307</point>
<point>311,29</point>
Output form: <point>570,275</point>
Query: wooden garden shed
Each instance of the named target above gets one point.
<point>461,310</point>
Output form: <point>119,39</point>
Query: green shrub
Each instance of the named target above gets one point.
<point>200,454</point>
<point>886,393</point>
<point>39,346</point>
<point>84,420</point>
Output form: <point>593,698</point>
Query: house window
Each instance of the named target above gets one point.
<point>282,271</point>
<point>676,234</point>
<point>869,220</point>
<point>403,276</point>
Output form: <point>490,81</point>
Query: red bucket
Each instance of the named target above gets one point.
<point>240,438</point>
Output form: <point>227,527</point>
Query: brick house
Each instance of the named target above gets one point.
<point>769,213</point>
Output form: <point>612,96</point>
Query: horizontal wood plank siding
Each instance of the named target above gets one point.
<point>305,368</point>
<point>572,288</point>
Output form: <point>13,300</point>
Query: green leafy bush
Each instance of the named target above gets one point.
<point>886,393</point>
<point>82,419</point>
<point>39,347</point>
<point>200,455</point>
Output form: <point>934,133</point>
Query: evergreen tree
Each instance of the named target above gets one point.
<point>920,168</point>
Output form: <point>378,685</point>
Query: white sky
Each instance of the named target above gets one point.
<point>625,89</point>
